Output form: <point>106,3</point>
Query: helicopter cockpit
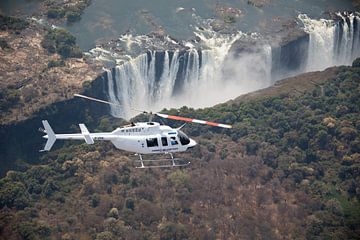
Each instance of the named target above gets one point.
<point>184,139</point>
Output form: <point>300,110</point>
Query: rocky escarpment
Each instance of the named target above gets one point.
<point>31,77</point>
<point>356,4</point>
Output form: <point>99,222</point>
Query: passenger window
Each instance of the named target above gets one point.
<point>173,141</point>
<point>164,141</point>
<point>152,142</point>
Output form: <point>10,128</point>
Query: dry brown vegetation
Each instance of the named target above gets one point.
<point>287,170</point>
<point>24,69</point>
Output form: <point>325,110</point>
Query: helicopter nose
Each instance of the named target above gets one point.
<point>191,144</point>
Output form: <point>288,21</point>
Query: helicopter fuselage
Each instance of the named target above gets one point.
<point>149,138</point>
<point>142,138</point>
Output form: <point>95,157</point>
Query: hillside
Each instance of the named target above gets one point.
<point>289,169</point>
<point>38,66</point>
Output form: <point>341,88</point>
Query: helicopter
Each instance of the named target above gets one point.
<point>140,138</point>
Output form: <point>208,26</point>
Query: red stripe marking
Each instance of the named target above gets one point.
<point>180,118</point>
<point>212,124</point>
<point>191,119</point>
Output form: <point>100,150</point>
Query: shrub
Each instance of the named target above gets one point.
<point>104,236</point>
<point>56,63</point>
<point>172,231</point>
<point>310,156</point>
<point>55,13</point>
<point>179,179</point>
<point>130,204</point>
<point>12,23</point>
<point>50,187</point>
<point>13,194</point>
<point>252,147</point>
<point>8,98</point>
<point>73,16</point>
<point>4,44</point>
<point>95,200</point>
<point>229,19</point>
<point>62,42</point>
<point>323,139</point>
<point>27,230</point>
<point>114,213</point>
<point>356,63</point>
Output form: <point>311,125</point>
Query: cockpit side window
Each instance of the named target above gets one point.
<point>183,138</point>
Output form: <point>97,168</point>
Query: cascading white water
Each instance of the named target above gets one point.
<point>331,42</point>
<point>198,78</point>
<point>193,78</point>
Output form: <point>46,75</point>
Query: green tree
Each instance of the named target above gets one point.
<point>13,194</point>
<point>179,179</point>
<point>104,236</point>
<point>62,42</point>
<point>323,139</point>
<point>172,231</point>
<point>130,203</point>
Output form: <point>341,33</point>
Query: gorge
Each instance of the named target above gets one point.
<point>210,70</point>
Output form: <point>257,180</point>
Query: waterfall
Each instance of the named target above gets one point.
<point>202,73</point>
<point>332,42</point>
<point>155,80</point>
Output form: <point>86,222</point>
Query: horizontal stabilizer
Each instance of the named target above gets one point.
<point>86,134</point>
<point>50,136</point>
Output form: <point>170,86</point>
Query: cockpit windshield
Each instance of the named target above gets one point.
<point>183,138</point>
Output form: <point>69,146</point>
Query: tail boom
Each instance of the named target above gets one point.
<point>84,135</point>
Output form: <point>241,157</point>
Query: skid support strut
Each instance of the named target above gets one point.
<point>163,162</point>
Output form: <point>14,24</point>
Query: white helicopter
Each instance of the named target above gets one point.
<point>139,138</point>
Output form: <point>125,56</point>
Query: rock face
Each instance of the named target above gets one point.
<point>356,4</point>
<point>24,68</point>
<point>289,46</point>
<point>290,58</point>
<point>258,3</point>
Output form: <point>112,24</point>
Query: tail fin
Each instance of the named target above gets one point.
<point>50,136</point>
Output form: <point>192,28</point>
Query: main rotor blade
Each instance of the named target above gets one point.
<point>185,119</point>
<point>95,99</point>
<point>106,102</point>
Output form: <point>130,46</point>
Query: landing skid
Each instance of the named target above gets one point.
<point>174,162</point>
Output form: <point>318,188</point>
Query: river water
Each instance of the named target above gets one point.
<point>108,19</point>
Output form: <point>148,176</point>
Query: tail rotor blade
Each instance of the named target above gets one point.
<point>185,119</point>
